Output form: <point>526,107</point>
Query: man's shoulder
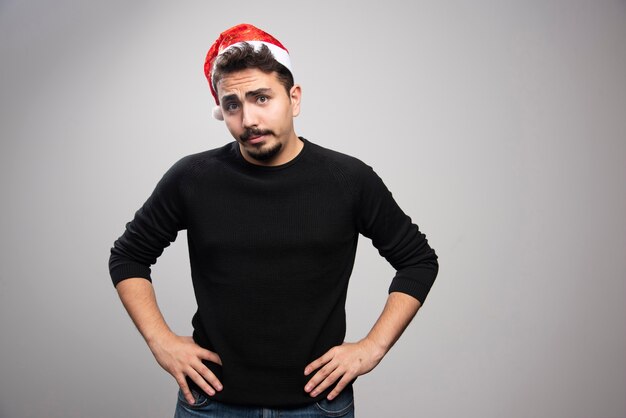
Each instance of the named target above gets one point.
<point>191,163</point>
<point>338,158</point>
<point>351,166</point>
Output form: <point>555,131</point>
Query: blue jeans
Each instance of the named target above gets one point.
<point>341,406</point>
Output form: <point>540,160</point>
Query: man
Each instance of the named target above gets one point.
<point>272,223</point>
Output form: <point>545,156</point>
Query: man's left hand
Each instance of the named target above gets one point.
<point>342,363</point>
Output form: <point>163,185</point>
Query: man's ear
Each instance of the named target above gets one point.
<point>295,95</point>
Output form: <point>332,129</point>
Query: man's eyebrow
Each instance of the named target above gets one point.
<point>262,90</point>
<point>252,93</point>
<point>228,97</point>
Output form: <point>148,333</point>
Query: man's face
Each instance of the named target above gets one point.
<point>259,114</point>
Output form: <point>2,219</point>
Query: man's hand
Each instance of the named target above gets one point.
<point>345,362</point>
<point>342,363</point>
<point>180,357</point>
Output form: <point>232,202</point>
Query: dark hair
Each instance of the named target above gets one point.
<point>244,56</point>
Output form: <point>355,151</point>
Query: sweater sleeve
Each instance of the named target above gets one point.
<point>154,226</point>
<point>396,237</point>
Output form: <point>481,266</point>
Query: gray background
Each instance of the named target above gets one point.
<point>498,125</point>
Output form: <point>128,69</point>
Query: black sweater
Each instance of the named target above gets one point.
<point>271,252</point>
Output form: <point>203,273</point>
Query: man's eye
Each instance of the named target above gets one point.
<point>231,107</point>
<point>262,99</point>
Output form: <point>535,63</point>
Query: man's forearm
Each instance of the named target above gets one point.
<point>137,295</point>
<point>399,310</point>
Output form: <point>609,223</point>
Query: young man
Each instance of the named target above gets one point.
<point>272,223</point>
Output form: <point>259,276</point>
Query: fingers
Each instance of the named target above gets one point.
<point>340,365</point>
<point>340,386</point>
<point>210,356</point>
<point>182,358</point>
<point>203,353</point>
<point>182,383</point>
<point>316,364</point>
<point>207,382</point>
<point>204,376</point>
<point>321,374</point>
<point>201,376</point>
<point>323,379</point>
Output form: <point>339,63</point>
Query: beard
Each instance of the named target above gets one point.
<point>263,152</point>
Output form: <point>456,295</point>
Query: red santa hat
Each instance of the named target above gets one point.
<point>234,36</point>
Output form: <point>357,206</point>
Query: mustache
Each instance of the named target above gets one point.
<point>254,132</point>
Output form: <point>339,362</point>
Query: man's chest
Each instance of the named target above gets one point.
<point>265,216</point>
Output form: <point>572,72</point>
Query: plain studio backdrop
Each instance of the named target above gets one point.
<point>499,126</point>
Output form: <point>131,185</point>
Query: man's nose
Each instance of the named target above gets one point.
<point>249,117</point>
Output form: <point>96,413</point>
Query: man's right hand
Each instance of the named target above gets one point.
<point>181,357</point>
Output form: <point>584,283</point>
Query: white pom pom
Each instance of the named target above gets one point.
<point>217,113</point>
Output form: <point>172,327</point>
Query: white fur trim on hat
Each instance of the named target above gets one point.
<point>217,113</point>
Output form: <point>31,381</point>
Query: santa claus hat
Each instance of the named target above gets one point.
<point>233,37</point>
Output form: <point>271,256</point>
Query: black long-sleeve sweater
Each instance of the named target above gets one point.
<point>271,252</point>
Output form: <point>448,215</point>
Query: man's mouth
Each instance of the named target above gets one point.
<point>254,137</point>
